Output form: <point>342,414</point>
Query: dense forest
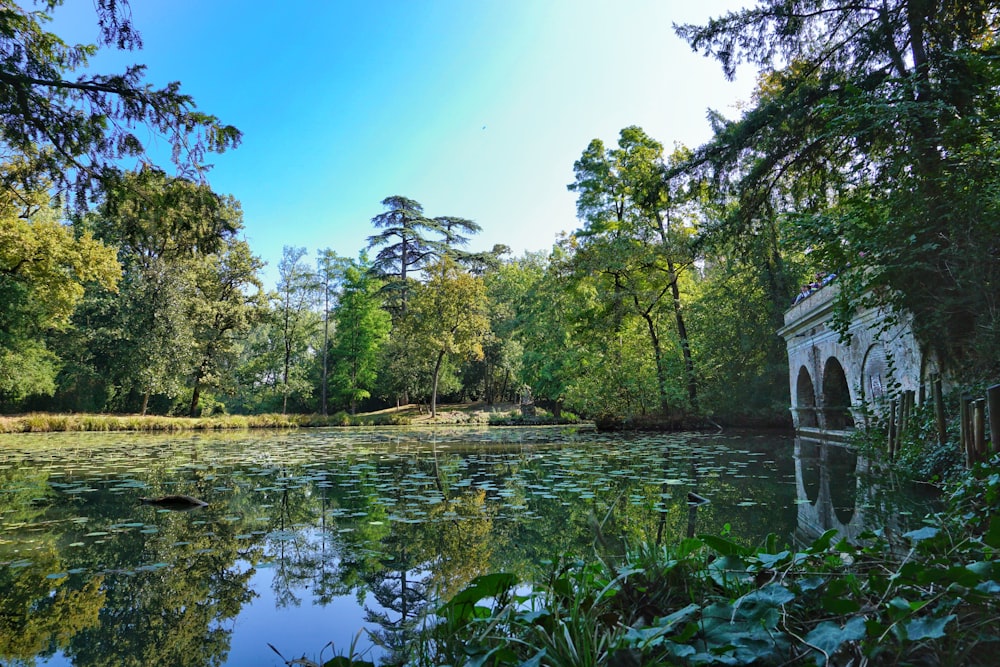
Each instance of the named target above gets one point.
<point>869,150</point>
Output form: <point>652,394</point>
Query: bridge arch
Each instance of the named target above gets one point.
<point>836,397</point>
<point>805,399</point>
<point>874,374</point>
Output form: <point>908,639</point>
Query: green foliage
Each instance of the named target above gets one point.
<point>927,597</point>
<point>75,127</point>
<point>446,320</point>
<point>409,242</point>
<point>743,363</point>
<point>44,268</point>
<point>635,246</point>
<point>872,140</point>
<point>361,329</point>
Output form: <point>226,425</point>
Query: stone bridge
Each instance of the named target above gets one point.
<point>835,386</point>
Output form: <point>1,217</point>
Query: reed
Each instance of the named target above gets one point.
<point>39,422</point>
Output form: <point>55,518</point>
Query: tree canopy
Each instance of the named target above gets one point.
<point>75,127</point>
<point>873,137</point>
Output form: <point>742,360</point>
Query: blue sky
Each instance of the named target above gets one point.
<point>475,108</point>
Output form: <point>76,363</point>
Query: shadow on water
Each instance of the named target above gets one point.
<point>309,537</point>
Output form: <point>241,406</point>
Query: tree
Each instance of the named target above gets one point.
<point>362,328</point>
<point>44,268</point>
<point>448,318</point>
<point>410,241</point>
<point>163,228</point>
<point>404,245</point>
<point>637,227</point>
<point>297,291</point>
<point>330,270</point>
<point>75,131</point>
<point>229,300</point>
<point>873,137</point>
<point>545,322</point>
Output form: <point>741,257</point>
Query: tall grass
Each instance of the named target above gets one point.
<point>38,422</point>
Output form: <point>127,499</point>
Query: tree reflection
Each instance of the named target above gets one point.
<point>171,611</point>
<point>41,612</point>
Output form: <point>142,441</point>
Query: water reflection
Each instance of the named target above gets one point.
<point>310,536</point>
<point>837,489</point>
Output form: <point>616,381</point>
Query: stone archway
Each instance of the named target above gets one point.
<point>874,375</point>
<point>836,397</point>
<point>805,400</point>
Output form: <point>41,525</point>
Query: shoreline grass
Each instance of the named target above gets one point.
<point>458,415</point>
<point>39,422</point>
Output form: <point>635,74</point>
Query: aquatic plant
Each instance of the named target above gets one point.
<point>929,596</point>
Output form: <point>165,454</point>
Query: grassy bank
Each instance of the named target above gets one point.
<point>46,423</point>
<point>408,415</point>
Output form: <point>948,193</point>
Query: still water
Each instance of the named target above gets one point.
<point>341,535</point>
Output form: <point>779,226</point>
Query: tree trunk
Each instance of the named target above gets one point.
<point>682,334</point>
<point>145,402</point>
<point>434,390</point>
<point>195,397</point>
<point>326,349</point>
<point>661,371</point>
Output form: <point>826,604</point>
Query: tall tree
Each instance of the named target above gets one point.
<point>362,328</point>
<point>545,323</point>
<point>448,318</point>
<point>407,242</point>
<point>75,129</point>
<point>163,227</point>
<point>874,136</point>
<point>297,292</point>
<point>44,268</point>
<point>636,233</point>
<point>228,301</point>
<point>330,270</point>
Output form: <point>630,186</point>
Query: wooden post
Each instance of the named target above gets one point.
<point>942,427</point>
<point>892,428</point>
<point>966,437</point>
<point>979,428</point>
<point>911,404</point>
<point>993,398</point>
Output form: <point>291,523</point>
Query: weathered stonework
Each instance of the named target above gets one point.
<point>833,385</point>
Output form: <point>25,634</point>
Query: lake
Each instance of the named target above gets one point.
<point>341,535</point>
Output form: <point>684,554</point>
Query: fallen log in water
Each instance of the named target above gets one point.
<point>175,502</point>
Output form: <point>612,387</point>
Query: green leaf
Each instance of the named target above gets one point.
<point>462,607</point>
<point>829,637</point>
<point>729,571</point>
<point>822,543</point>
<point>654,635</point>
<point>772,595</point>
<point>992,535</point>
<point>534,661</point>
<point>927,628</point>
<point>723,546</point>
<point>840,605</point>
<point>925,533</point>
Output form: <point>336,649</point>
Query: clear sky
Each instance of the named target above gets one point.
<point>475,108</point>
